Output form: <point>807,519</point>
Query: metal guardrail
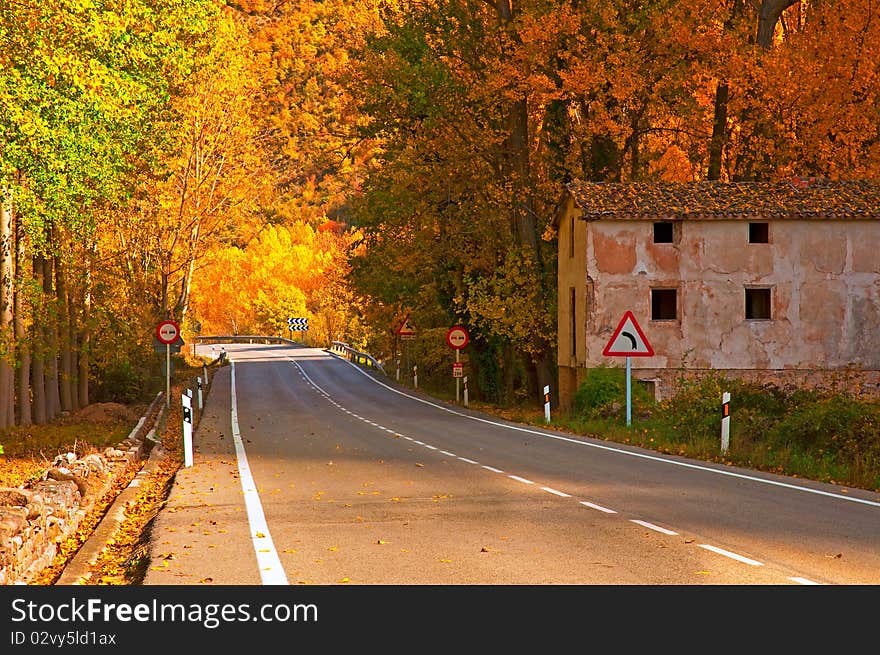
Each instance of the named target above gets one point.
<point>240,338</point>
<point>356,356</point>
<point>338,347</point>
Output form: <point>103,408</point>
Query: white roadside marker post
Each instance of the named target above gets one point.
<point>465,391</point>
<point>725,421</point>
<point>547,403</point>
<point>415,376</point>
<point>187,429</point>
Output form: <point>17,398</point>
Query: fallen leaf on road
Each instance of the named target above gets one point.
<point>420,465</point>
<point>260,535</point>
<point>381,542</point>
<point>207,580</point>
<point>344,580</point>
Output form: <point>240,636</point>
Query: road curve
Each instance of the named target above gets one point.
<point>310,470</point>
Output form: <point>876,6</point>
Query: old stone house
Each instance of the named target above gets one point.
<point>778,282</point>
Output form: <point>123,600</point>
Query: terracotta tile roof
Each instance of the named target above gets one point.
<point>799,198</point>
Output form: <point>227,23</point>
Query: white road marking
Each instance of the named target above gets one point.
<point>727,553</point>
<point>620,451</point>
<point>651,526</point>
<point>598,507</point>
<point>606,510</point>
<point>803,581</point>
<point>271,571</point>
<point>554,491</point>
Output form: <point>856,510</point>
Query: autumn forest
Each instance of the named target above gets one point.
<point>231,164</point>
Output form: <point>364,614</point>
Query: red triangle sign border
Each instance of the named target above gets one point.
<point>609,353</point>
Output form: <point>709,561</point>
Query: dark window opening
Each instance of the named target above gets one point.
<point>664,304</point>
<point>757,303</point>
<point>663,232</point>
<point>759,233</point>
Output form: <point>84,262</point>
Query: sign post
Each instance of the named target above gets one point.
<point>457,338</point>
<point>406,332</point>
<point>167,332</point>
<point>628,341</point>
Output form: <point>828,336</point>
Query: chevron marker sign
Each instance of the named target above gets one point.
<point>297,324</point>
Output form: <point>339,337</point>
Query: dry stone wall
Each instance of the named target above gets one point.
<point>37,517</point>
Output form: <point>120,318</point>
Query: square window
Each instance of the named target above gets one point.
<point>757,304</point>
<point>663,232</point>
<point>759,233</point>
<point>664,304</point>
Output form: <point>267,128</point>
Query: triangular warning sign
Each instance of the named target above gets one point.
<point>407,329</point>
<point>628,340</point>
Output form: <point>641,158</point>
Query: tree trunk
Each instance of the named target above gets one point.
<point>21,336</point>
<point>63,322</point>
<point>768,16</point>
<point>85,337</point>
<point>519,169</point>
<point>7,382</point>
<point>719,131</point>
<point>53,397</point>
<point>38,380</point>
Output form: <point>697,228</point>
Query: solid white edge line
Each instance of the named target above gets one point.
<point>598,507</point>
<point>651,526</point>
<point>727,553</point>
<point>616,450</point>
<point>271,571</point>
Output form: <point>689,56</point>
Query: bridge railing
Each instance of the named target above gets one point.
<point>338,347</point>
<point>356,356</point>
<point>240,338</point>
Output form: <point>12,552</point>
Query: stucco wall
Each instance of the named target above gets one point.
<point>824,278</point>
<point>825,293</point>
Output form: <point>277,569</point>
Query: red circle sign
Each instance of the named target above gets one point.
<point>167,332</point>
<point>457,337</point>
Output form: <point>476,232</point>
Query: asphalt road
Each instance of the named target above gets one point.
<point>309,470</point>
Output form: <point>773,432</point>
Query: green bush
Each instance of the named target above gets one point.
<point>602,394</point>
<point>122,383</point>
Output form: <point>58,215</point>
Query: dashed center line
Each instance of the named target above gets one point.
<point>598,507</point>
<point>651,526</point>
<point>727,553</point>
<point>556,492</point>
